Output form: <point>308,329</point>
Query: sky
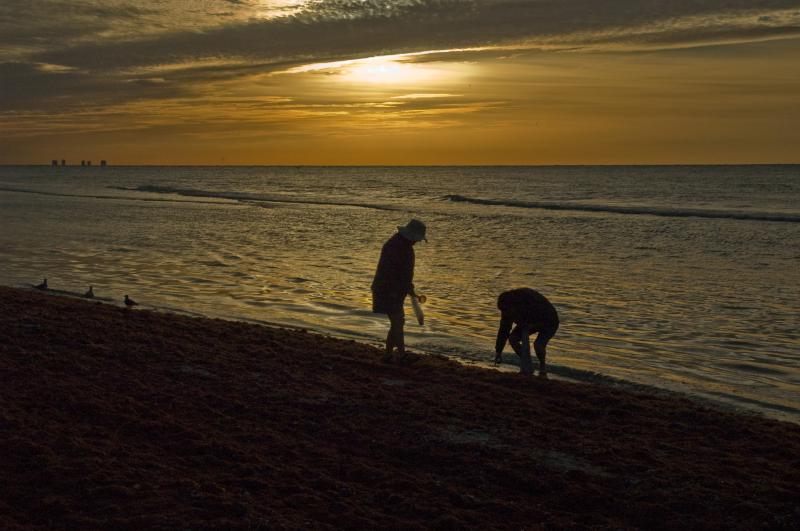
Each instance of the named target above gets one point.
<point>406,82</point>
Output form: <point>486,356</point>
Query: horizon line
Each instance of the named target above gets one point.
<point>501,165</point>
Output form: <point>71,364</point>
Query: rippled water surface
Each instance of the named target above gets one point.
<point>685,278</point>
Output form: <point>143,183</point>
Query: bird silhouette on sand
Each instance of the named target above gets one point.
<point>129,302</point>
<point>43,285</point>
<point>89,294</point>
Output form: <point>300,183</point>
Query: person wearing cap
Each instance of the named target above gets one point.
<point>394,279</point>
<point>531,312</point>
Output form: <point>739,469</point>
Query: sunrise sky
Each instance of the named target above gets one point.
<point>400,82</point>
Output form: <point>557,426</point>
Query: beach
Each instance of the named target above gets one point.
<point>121,418</point>
<point>683,278</point>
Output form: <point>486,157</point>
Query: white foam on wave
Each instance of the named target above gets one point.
<point>635,210</point>
<point>251,197</point>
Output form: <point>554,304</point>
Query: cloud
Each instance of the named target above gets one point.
<point>40,25</point>
<point>111,50</point>
<point>423,96</point>
<point>35,86</point>
<point>340,29</point>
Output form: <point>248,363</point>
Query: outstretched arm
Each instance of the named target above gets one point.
<point>502,336</point>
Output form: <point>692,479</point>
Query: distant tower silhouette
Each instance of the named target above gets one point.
<point>83,163</point>
<point>103,162</point>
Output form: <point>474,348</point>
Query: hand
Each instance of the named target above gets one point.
<point>498,358</point>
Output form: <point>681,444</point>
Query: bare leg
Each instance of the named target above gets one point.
<point>387,357</point>
<point>520,342</point>
<point>546,333</point>
<point>395,338</point>
<point>541,354</point>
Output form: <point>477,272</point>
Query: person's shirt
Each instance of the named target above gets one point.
<point>395,273</point>
<point>523,306</point>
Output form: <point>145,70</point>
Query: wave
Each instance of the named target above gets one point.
<point>644,211</point>
<point>197,196</point>
<point>250,197</point>
<point>99,196</point>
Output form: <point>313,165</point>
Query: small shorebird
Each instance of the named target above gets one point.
<point>89,294</point>
<point>43,285</point>
<point>129,302</point>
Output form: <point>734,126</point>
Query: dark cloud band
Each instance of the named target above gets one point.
<point>119,50</point>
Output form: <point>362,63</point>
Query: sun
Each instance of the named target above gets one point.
<point>387,71</point>
<point>395,70</point>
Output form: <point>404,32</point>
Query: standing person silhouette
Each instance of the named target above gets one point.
<point>394,279</point>
<point>531,312</point>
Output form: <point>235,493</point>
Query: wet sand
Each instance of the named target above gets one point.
<point>129,419</point>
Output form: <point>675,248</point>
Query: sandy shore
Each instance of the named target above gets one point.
<point>121,419</point>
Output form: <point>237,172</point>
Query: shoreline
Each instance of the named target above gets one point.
<point>132,419</point>
<point>557,372</point>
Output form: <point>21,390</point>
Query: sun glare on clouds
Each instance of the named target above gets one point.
<point>628,82</point>
<point>389,71</point>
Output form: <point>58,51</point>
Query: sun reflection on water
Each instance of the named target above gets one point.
<point>266,9</point>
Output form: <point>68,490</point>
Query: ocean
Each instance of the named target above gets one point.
<point>683,278</point>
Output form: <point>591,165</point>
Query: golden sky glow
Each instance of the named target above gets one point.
<point>412,82</point>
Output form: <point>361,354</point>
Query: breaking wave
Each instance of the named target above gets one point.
<point>250,197</point>
<point>633,210</point>
<point>16,190</point>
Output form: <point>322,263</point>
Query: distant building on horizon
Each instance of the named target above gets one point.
<point>84,162</point>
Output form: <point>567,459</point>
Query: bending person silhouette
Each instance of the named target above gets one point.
<point>531,312</point>
<point>394,279</point>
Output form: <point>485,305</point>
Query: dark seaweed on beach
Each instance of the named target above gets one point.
<point>120,419</point>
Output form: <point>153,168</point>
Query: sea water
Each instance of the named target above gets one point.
<point>681,277</point>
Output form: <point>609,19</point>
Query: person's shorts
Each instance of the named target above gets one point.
<point>385,304</point>
<point>546,331</point>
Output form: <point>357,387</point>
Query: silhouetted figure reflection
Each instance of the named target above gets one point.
<point>394,279</point>
<point>531,312</point>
